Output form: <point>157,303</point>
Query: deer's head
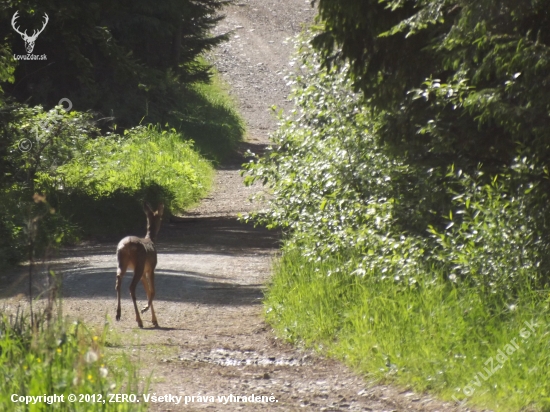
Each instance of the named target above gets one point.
<point>153,219</point>
<point>29,40</point>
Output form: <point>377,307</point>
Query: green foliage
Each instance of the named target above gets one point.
<point>88,183</point>
<point>7,67</point>
<point>143,157</point>
<point>42,140</point>
<point>495,238</point>
<point>37,142</point>
<point>481,68</point>
<point>338,188</point>
<point>56,357</point>
<point>334,187</point>
<point>124,64</point>
<point>12,235</point>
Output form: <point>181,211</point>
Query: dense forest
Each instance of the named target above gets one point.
<point>412,181</point>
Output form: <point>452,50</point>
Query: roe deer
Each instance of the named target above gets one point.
<point>140,254</point>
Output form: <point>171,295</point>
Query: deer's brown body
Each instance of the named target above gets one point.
<point>140,255</point>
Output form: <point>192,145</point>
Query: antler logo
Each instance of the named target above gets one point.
<point>29,40</point>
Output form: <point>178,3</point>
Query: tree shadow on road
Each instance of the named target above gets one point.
<point>89,271</point>
<point>171,286</point>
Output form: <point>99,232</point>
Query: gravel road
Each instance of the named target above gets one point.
<point>212,271</point>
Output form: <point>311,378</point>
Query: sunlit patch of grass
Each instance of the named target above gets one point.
<point>431,337</point>
<point>211,119</point>
<point>202,112</point>
<point>145,157</point>
<point>102,188</point>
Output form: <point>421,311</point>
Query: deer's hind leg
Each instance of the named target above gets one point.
<point>151,295</point>
<point>138,273</point>
<point>148,284</point>
<point>145,281</point>
<point>148,281</point>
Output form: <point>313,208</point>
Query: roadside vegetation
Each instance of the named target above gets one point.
<point>124,109</point>
<point>414,196</point>
<point>55,356</point>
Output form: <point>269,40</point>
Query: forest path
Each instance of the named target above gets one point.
<point>212,270</point>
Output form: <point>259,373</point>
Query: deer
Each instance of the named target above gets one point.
<point>140,255</point>
<point>29,40</point>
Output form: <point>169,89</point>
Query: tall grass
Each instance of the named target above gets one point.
<point>59,357</point>
<point>431,336</point>
<point>203,112</point>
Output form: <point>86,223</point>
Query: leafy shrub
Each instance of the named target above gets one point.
<point>412,271</point>
<point>495,239</point>
<point>339,190</point>
<point>335,188</point>
<point>51,138</point>
<point>143,157</point>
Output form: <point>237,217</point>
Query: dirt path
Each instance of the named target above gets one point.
<point>212,270</point>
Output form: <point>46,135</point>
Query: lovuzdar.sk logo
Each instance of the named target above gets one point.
<point>29,40</point>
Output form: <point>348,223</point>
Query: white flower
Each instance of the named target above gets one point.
<point>91,356</point>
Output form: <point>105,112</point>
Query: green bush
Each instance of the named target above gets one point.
<point>338,189</point>
<point>143,157</point>
<point>495,240</point>
<point>37,142</point>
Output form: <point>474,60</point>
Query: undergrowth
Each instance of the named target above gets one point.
<point>143,157</point>
<point>94,180</point>
<point>54,356</point>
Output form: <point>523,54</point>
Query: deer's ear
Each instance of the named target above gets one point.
<point>160,209</point>
<point>147,208</point>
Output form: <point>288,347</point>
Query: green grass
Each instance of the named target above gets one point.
<point>431,337</point>
<point>203,113</point>
<point>212,120</point>
<point>62,358</point>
